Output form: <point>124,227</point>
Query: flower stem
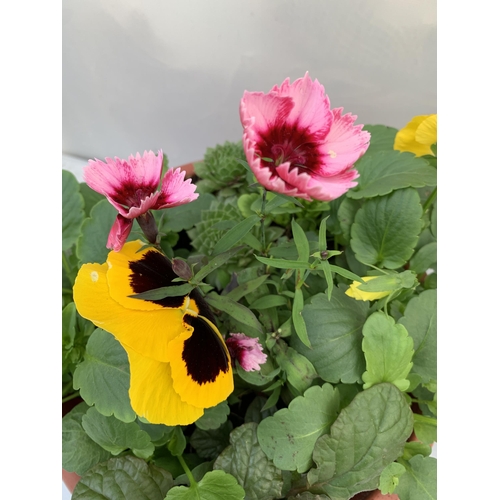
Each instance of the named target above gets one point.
<point>189,474</point>
<point>71,396</point>
<point>262,221</point>
<point>430,200</point>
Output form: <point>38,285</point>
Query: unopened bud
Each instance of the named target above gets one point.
<point>181,268</point>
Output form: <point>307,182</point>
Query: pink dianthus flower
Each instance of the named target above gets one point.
<point>246,350</point>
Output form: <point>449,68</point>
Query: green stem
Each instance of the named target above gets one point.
<point>71,396</point>
<point>262,221</point>
<point>67,268</point>
<point>189,474</point>
<point>430,200</point>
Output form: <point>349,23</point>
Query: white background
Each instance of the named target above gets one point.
<point>168,74</point>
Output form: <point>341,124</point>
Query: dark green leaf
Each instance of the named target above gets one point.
<point>79,451</point>
<point>246,461</point>
<point>288,437</point>
<point>385,171</point>
<point>209,444</point>
<point>185,216</point>
<point>328,276</point>
<point>367,436</point>
<point>268,301</point>
<point>382,138</point>
<point>177,443</point>
<point>215,263</point>
<point>104,376</point>
<point>420,319</point>
<point>273,398</point>
<point>165,291</point>
<point>117,436</point>
<point>334,329</point>
<point>298,321</point>
<point>301,242</point>
<point>388,352</point>
<point>123,478</point>
<point>246,288</point>
<point>213,417</point>
<point>419,481</point>
<point>235,234</point>
<point>72,210</point>
<point>283,263</point>
<point>424,259</point>
<point>90,197</point>
<point>386,229</point>
<point>215,485</point>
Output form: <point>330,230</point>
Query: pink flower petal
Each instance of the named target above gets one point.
<point>247,351</point>
<point>119,233</point>
<point>175,190</point>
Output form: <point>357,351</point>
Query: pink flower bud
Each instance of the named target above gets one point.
<point>246,350</point>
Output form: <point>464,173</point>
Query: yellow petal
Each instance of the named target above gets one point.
<point>147,332</point>
<point>426,132</point>
<point>405,138</point>
<point>201,365</point>
<point>357,294</point>
<point>152,395</point>
<point>147,269</point>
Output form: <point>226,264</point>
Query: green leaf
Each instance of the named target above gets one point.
<point>413,448</point>
<point>288,437</point>
<point>383,172</point>
<point>367,436</point>
<point>346,214</point>
<point>79,451</point>
<point>388,352</point>
<point>282,263</point>
<point>210,443</point>
<point>91,245</point>
<point>382,138</point>
<point>215,263</point>
<point>298,321</point>
<point>328,277</point>
<point>425,429</point>
<point>386,229</point>
<point>213,417</point>
<point>246,461</point>
<point>235,234</point>
<point>234,309</point>
<point>420,480</point>
<point>185,216</point>
<point>390,282</point>
<point>334,328</point>
<point>164,291</point>
<point>389,478</point>
<point>116,436</point>
<point>300,372</point>
<point>215,485</point>
<point>123,478</point>
<point>301,242</point>
<point>245,288</point>
<point>424,259</point>
<point>90,197</point>
<point>72,210</point>
<point>177,443</point>
<point>104,377</point>
<point>268,301</point>
<point>420,319</point>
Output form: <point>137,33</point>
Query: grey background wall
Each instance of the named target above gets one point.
<point>149,74</point>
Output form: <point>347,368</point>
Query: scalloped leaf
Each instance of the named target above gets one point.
<point>334,327</point>
<point>386,229</point>
<point>246,461</point>
<point>289,436</point>
<point>123,478</point>
<point>104,376</point>
<point>117,436</point>
<point>72,210</point>
<point>213,417</point>
<point>388,351</point>
<point>383,172</point>
<point>367,436</point>
<point>419,481</point>
<point>382,138</point>
<point>420,319</point>
<point>79,451</point>
<point>210,443</point>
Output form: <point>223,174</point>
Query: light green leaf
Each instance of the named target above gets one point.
<point>268,301</point>
<point>425,429</point>
<point>104,377</point>
<point>246,461</point>
<point>388,351</point>
<point>79,451</point>
<point>213,417</point>
<point>234,309</point>
<point>215,485</point>
<point>300,372</point>
<point>413,448</point>
<point>72,210</point>
<point>282,263</point>
<point>389,478</point>
<point>383,172</point>
<point>288,437</point>
<point>298,321</point>
<point>123,478</point>
<point>420,319</point>
<point>116,436</point>
<point>382,138</point>
<point>367,436</point>
<point>235,234</point>
<point>420,480</point>
<point>301,242</point>
<point>334,328</point>
<point>386,229</point>
<point>390,282</point>
<point>424,259</point>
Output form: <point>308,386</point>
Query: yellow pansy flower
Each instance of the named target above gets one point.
<point>418,135</point>
<point>179,362</point>
<point>357,294</point>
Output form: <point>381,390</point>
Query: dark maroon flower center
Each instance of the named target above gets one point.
<point>285,142</point>
<point>131,195</point>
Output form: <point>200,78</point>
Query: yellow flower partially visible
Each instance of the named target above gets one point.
<point>418,135</point>
<point>357,294</point>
